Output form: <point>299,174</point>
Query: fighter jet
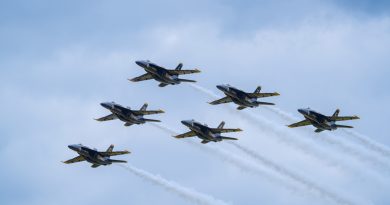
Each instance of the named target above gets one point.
<point>95,157</point>
<point>322,122</point>
<point>206,133</point>
<point>242,98</point>
<point>164,76</point>
<point>127,115</point>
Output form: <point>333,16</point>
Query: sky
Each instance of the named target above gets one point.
<point>60,60</point>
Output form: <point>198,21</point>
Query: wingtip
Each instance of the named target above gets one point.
<point>197,70</point>
<point>162,111</point>
<point>277,94</point>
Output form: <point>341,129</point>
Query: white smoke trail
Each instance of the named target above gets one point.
<point>248,166</point>
<point>279,133</point>
<point>300,145</point>
<point>375,162</point>
<point>235,160</point>
<point>357,137</point>
<point>368,143</point>
<point>285,115</point>
<point>173,187</point>
<point>285,172</point>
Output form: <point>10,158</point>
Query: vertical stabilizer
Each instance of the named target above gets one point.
<point>143,108</point>
<point>179,66</point>
<point>220,126</point>
<point>110,148</point>
<point>336,113</point>
<point>258,89</point>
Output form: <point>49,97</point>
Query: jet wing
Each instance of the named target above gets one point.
<point>345,118</point>
<point>76,159</point>
<point>108,117</point>
<point>147,112</point>
<point>187,134</point>
<point>109,154</point>
<point>222,100</point>
<point>221,130</point>
<point>146,76</point>
<point>183,72</point>
<point>262,95</point>
<point>301,123</point>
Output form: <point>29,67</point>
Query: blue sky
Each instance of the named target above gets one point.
<point>59,60</point>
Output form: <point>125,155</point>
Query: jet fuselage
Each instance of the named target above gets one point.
<point>202,131</point>
<point>160,74</point>
<point>318,120</point>
<point>124,114</point>
<point>238,96</point>
<point>90,155</point>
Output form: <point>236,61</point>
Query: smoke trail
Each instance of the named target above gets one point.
<point>305,148</point>
<point>203,90</point>
<point>327,139</point>
<point>369,144</point>
<point>184,192</point>
<point>285,115</point>
<point>248,166</point>
<point>279,133</point>
<point>361,139</point>
<point>285,172</point>
<point>235,160</point>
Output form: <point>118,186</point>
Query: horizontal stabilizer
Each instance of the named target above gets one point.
<point>117,161</point>
<point>265,103</point>
<point>152,120</point>
<point>186,80</point>
<point>228,138</point>
<point>205,141</point>
<point>162,84</point>
<point>343,126</point>
<point>318,130</point>
<point>127,124</point>
<point>241,107</point>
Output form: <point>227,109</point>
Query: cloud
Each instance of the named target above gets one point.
<point>58,62</point>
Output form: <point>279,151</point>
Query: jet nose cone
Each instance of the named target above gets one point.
<point>222,87</point>
<point>186,122</point>
<point>302,111</point>
<point>73,147</point>
<point>106,105</point>
<point>140,63</point>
